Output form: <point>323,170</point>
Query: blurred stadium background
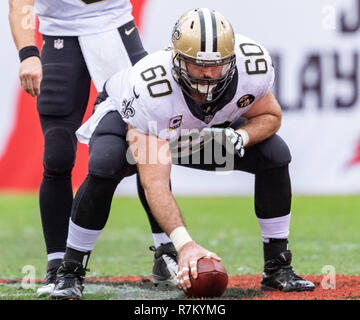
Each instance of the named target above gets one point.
<point>315,50</point>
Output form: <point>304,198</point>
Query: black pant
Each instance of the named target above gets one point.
<point>61,105</point>
<point>108,165</point>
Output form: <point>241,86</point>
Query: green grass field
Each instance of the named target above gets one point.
<point>324,231</point>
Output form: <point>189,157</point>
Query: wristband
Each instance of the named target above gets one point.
<point>27,52</point>
<point>179,237</point>
<point>244,136</point>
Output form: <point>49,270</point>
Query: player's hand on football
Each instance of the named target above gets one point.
<point>228,136</point>
<point>30,75</point>
<point>188,257</point>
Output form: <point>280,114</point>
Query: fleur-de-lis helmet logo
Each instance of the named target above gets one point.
<point>176,32</point>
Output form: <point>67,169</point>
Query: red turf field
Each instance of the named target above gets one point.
<point>346,288</point>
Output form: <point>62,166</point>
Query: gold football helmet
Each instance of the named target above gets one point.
<point>203,37</point>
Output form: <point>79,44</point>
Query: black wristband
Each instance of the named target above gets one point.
<point>27,52</point>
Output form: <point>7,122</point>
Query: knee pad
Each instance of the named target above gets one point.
<point>274,152</point>
<point>108,157</point>
<point>111,124</point>
<point>59,152</point>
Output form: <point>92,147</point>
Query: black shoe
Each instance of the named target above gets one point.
<point>279,275</point>
<point>69,281</point>
<point>50,279</point>
<point>165,264</point>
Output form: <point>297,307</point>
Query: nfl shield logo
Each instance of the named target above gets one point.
<point>59,44</point>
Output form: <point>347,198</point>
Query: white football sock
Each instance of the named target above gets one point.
<point>160,238</point>
<point>275,228</point>
<point>55,255</point>
<point>81,239</point>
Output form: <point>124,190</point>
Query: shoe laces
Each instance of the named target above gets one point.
<point>289,272</point>
<point>171,262</point>
<point>160,251</point>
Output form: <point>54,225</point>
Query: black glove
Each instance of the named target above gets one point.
<point>228,135</point>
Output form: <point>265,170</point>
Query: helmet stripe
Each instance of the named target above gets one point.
<point>213,21</point>
<point>208,30</point>
<point>202,29</point>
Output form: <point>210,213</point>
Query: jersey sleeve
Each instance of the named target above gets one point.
<point>269,78</point>
<point>255,65</point>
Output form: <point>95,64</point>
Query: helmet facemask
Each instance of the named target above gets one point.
<point>212,88</point>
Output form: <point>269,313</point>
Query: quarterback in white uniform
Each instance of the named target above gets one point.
<point>83,41</point>
<point>206,82</point>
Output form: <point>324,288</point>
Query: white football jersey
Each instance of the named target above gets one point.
<point>80,17</point>
<point>150,100</point>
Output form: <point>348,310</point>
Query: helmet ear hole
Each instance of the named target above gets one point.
<point>192,25</point>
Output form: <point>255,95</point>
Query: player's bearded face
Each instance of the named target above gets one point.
<point>200,77</point>
<point>204,72</point>
<point>204,78</point>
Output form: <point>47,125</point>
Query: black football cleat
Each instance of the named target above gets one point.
<point>69,281</point>
<point>165,266</point>
<point>49,285</point>
<point>279,275</point>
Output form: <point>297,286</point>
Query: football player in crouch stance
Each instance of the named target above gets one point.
<point>84,40</point>
<point>196,89</point>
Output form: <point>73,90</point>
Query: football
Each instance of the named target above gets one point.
<point>212,280</point>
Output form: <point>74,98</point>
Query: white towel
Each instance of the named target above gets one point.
<point>104,54</point>
<point>85,132</point>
